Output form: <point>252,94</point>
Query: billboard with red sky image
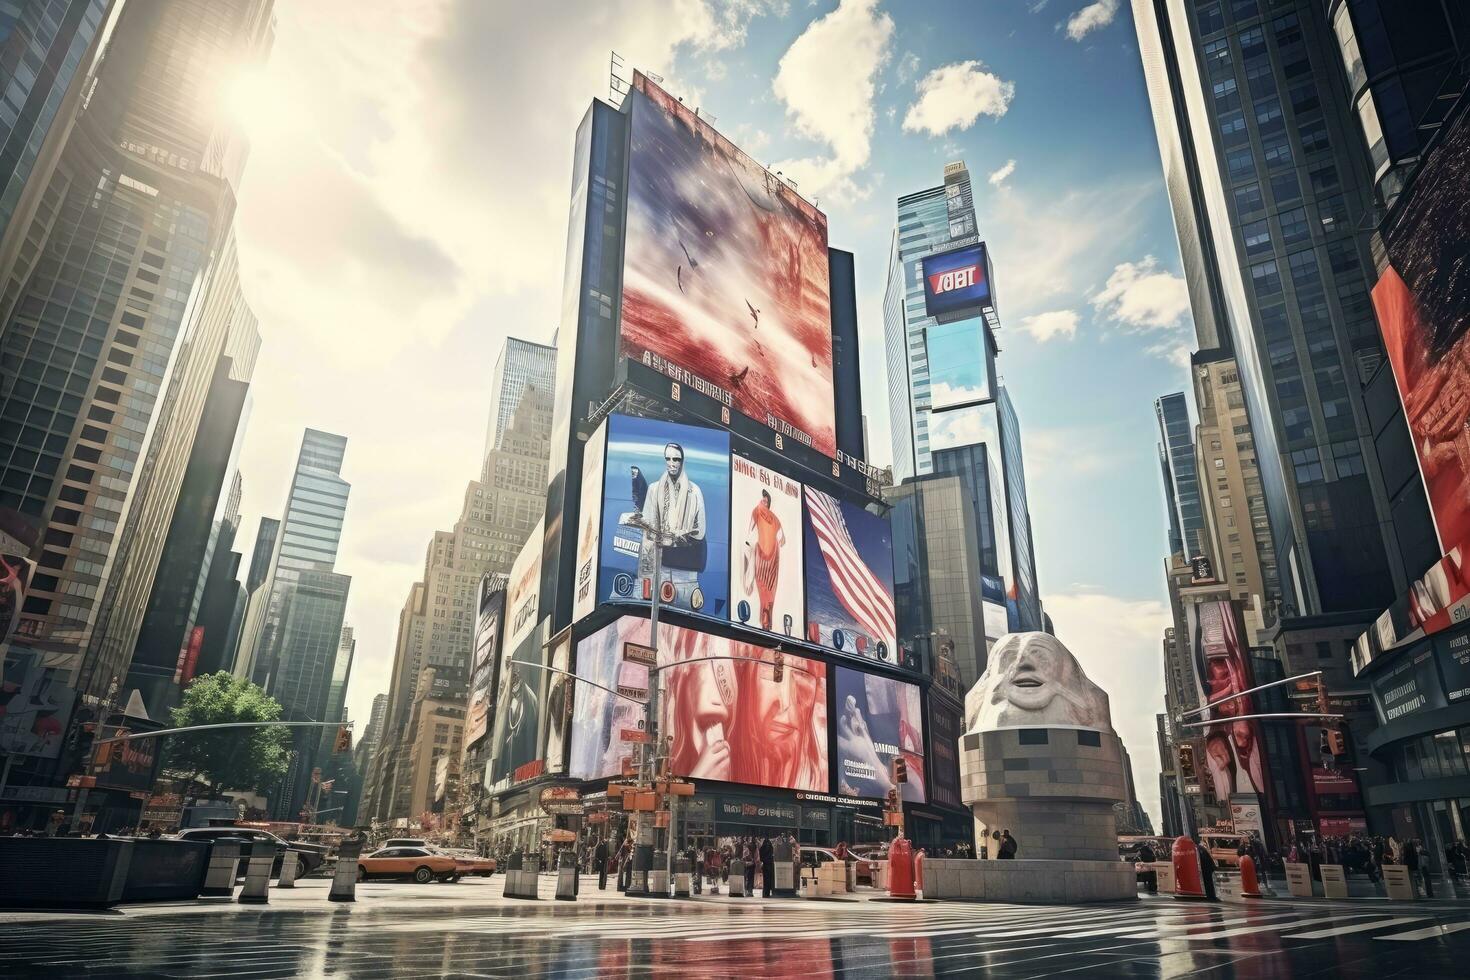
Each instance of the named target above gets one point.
<point>725,283</point>
<point>1423,305</point>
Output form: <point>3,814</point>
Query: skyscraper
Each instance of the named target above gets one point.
<point>1187,535</point>
<point>260,554</point>
<point>521,364</point>
<point>106,365</point>
<point>1271,193</point>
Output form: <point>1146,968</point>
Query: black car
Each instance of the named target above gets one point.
<point>308,856</point>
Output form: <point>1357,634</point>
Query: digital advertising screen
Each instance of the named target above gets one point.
<point>36,705</point>
<point>589,524</point>
<point>676,479</point>
<point>878,719</point>
<point>522,690</point>
<point>849,578</point>
<point>726,285</point>
<point>730,718</point>
<point>766,570</point>
<point>957,283</point>
<point>482,667</point>
<point>959,363</point>
<point>558,705</point>
<point>1421,300</point>
<point>945,728</point>
<point>1234,754</point>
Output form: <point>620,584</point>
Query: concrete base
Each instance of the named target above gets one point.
<point>1029,881</point>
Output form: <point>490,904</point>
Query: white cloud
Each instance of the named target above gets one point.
<point>908,67</point>
<point>1141,296</point>
<point>998,177</point>
<point>1053,323</point>
<point>826,80</point>
<point>1117,641</point>
<point>954,96</point>
<point>1065,456</point>
<point>1092,17</point>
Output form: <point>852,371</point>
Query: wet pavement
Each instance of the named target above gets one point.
<point>470,930</point>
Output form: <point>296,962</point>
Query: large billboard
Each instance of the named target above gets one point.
<point>674,479</point>
<point>726,285</point>
<point>959,363</point>
<point>878,719</point>
<point>522,688</point>
<point>729,717</point>
<point>957,283</point>
<point>482,666</point>
<point>589,521</point>
<point>1234,754</point>
<point>15,579</point>
<point>765,549</point>
<point>945,728</point>
<point>35,704</point>
<point>1421,299</point>
<point>558,705</point>
<point>849,578</point>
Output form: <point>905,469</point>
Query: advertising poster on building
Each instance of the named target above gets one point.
<point>589,524</point>
<point>944,759</point>
<point>34,707</point>
<point>15,578</point>
<point>957,283</point>
<point>959,363</point>
<point>132,765</point>
<point>730,719</point>
<point>1421,300</point>
<point>1453,652</point>
<point>1234,755</point>
<point>849,578</point>
<point>558,705</point>
<point>522,690</point>
<point>671,479</point>
<point>1408,687</point>
<point>878,719</point>
<point>726,286</point>
<point>765,549</point>
<point>1438,600</point>
<point>482,667</point>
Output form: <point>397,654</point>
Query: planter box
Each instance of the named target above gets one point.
<point>165,870</point>
<point>63,872</point>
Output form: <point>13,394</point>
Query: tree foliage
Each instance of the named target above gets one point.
<point>241,758</point>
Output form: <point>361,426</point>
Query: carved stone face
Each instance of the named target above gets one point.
<point>1033,680</point>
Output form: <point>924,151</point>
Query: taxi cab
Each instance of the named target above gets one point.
<point>412,863</point>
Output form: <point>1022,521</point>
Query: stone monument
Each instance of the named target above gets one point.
<point>1039,759</point>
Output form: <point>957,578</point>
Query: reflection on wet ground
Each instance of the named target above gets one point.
<point>808,940</point>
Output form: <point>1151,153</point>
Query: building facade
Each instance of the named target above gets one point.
<point>521,364</point>
<point>1187,534</point>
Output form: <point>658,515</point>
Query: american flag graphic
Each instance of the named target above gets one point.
<point>861,592</point>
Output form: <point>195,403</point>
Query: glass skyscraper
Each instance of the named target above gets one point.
<point>520,364</point>
<point>1187,534</point>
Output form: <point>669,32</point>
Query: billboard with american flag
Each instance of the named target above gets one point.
<point>849,578</point>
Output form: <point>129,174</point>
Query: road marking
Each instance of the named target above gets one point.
<point>1433,932</point>
<point>1360,927</point>
<point>1171,928</point>
<point>1254,930</point>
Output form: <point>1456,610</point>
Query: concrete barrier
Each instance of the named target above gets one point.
<point>224,864</point>
<point>290,864</point>
<point>63,872</point>
<point>1164,870</point>
<point>1399,882</point>
<point>165,870</point>
<point>344,879</point>
<point>1298,880</point>
<point>737,878</point>
<point>1334,881</point>
<point>258,874</point>
<point>566,877</point>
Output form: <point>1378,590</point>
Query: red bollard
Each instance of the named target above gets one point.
<point>1249,886</point>
<point>1188,881</point>
<point>919,870</point>
<point>901,870</point>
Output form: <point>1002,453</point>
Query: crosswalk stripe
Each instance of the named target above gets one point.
<point>1252,930</point>
<point>1432,932</point>
<point>1360,927</point>
<point>1118,917</point>
<point>1133,932</point>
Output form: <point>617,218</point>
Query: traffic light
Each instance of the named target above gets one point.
<point>780,663</point>
<point>893,799</point>
<point>1336,741</point>
<point>344,741</point>
<point>900,769</point>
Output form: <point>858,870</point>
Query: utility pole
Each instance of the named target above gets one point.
<point>643,852</point>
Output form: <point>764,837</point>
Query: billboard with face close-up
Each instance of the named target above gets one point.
<point>1423,305</point>
<point>730,718</point>
<point>878,719</point>
<point>674,480</point>
<point>849,578</point>
<point>726,285</point>
<point>765,549</point>
<point>1234,755</point>
<point>482,667</point>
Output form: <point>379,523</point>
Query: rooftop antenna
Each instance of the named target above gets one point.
<point>617,85</point>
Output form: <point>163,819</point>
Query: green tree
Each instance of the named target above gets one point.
<point>244,758</point>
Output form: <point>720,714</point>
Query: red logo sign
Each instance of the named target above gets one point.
<point>961,278</point>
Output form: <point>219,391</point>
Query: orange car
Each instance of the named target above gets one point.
<point>467,863</point>
<point>414,863</point>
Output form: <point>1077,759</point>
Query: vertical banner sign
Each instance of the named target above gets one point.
<point>1234,755</point>
<point>765,549</point>
<point>589,521</point>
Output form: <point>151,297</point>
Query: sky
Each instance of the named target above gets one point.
<point>405,209</point>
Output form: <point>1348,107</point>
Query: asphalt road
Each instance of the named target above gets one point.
<point>469,930</point>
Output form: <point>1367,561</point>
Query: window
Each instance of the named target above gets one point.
<point>1226,95</point>
<point>1304,98</point>
<point>1085,737</point>
<point>1257,237</point>
<point>1294,226</point>
<point>1219,464</point>
<point>1248,199</point>
<point>1268,116</point>
<point>1314,137</point>
<point>1308,466</point>
<point>1266,278</point>
<point>1032,736</point>
<point>1210,19</point>
<point>1240,163</point>
<point>1277,152</point>
<point>1252,42</point>
<point>1285,188</point>
<point>1349,459</point>
<point>1232,128</point>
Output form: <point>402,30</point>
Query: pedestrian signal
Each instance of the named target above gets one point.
<point>900,770</point>
<point>1336,741</point>
<point>344,741</point>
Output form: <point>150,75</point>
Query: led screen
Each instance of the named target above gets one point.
<point>765,549</point>
<point>730,719</point>
<point>522,689</point>
<point>725,284</point>
<point>959,363</point>
<point>676,478</point>
<point>482,667</point>
<point>1234,755</point>
<point>957,282</point>
<point>589,521</point>
<point>878,719</point>
<point>849,578</point>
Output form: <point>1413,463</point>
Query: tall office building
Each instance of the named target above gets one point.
<point>108,349</point>
<point>1024,591</point>
<point>222,598</point>
<point>310,532</point>
<point>929,221</point>
<point>367,741</point>
<point>521,364</point>
<point>1187,535</point>
<point>260,553</point>
<point>1271,192</point>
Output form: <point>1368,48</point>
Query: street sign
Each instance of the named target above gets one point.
<point>633,693</point>
<point>599,817</point>
<point>634,735</point>
<point>561,801</point>
<point>639,654</point>
<point>81,782</point>
<point>678,789</point>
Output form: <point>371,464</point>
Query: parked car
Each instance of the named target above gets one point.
<point>405,842</point>
<point>867,857</point>
<point>816,856</point>
<point>469,863</point>
<point>418,864</point>
<point>308,856</point>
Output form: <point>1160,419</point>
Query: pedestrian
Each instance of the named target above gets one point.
<point>750,864</point>
<point>625,864</point>
<point>599,858</point>
<point>768,867</point>
<point>1206,871</point>
<point>1008,846</point>
<point>1147,856</point>
<point>696,860</point>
